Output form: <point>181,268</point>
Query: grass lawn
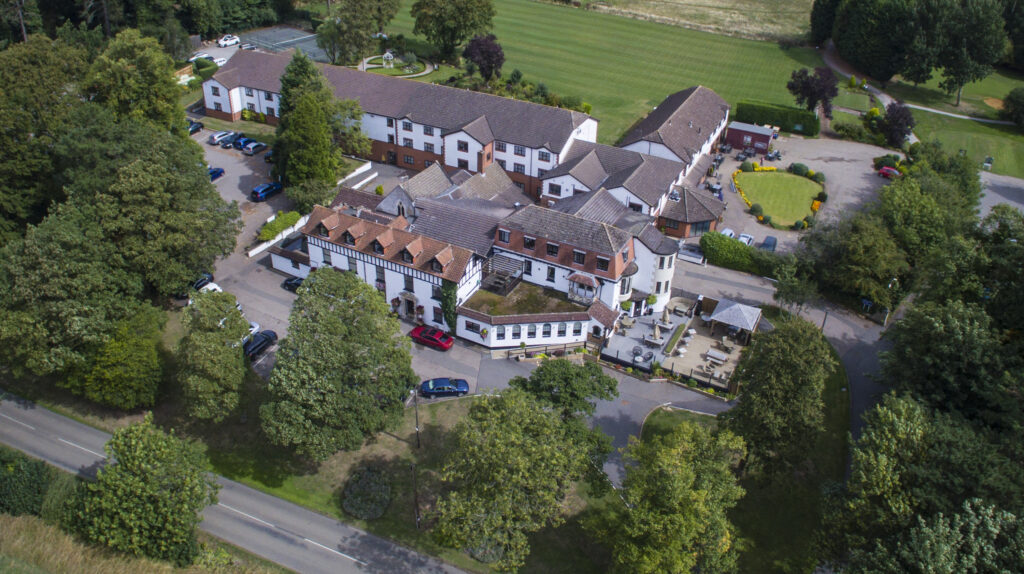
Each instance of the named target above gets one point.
<point>526,298</point>
<point>859,101</point>
<point>662,420</point>
<point>1004,143</point>
<point>747,18</point>
<point>784,196</point>
<point>624,67</point>
<point>845,118</point>
<point>398,70</point>
<point>980,99</point>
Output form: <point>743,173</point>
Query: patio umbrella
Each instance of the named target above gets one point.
<point>664,315</point>
<point>657,332</point>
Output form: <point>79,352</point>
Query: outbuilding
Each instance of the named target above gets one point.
<point>742,136</point>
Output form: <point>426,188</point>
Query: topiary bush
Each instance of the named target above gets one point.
<point>798,169</point>
<point>367,494</point>
<point>756,210</point>
<point>767,220</point>
<point>798,225</point>
<point>727,252</point>
<point>822,196</point>
<point>746,166</point>
<point>818,177</point>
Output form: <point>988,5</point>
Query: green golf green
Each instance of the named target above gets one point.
<point>784,196</point>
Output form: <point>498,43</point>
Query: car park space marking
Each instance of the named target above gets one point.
<point>78,446</point>
<point>339,553</point>
<point>28,426</point>
<point>232,509</point>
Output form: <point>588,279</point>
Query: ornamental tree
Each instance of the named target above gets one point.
<point>897,124</point>
<point>486,53</point>
<point>813,89</point>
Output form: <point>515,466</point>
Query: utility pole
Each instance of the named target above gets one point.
<point>823,322</point>
<point>415,494</point>
<point>416,402</point>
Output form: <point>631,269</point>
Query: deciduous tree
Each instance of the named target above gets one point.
<point>486,53</point>
<point>874,35</point>
<point>823,16</point>
<point>448,23</point>
<point>126,372</point>
<point>813,89</point>
<point>342,373</point>
<point>897,124</point>
<point>212,364</point>
<point>1013,106</point>
<point>383,11</point>
<point>567,387</point>
<point>975,41</point>
<point>917,221</point>
<point>347,38</point>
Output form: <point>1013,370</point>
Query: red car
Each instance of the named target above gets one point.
<point>889,172</point>
<point>432,337</point>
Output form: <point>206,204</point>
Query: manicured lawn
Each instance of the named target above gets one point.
<point>1004,143</point>
<point>525,298</point>
<point>859,101</point>
<point>624,67</point>
<point>845,118</point>
<point>784,196</point>
<point>995,87</point>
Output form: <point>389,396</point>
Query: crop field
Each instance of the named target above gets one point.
<point>744,18</point>
<point>624,67</point>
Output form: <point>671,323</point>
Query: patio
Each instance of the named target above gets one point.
<point>703,355</point>
<point>641,341</point>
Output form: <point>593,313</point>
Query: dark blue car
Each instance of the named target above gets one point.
<point>216,173</point>
<point>444,387</point>
<point>264,191</point>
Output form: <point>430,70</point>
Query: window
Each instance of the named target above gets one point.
<point>671,224</point>
<point>377,247</point>
<point>544,156</point>
<point>462,146</point>
<point>519,168</point>
<point>501,162</point>
<point>554,189</point>
<point>472,327</point>
<point>625,256</point>
<point>577,329</point>
<point>499,333</point>
<point>427,162</point>
<point>671,260</point>
<point>270,112</point>
<point>529,243</point>
<point>248,91</point>
<point>428,130</point>
<point>269,96</point>
<point>527,267</point>
<point>551,274</point>
<point>327,257</point>
<point>391,122</point>
<point>215,90</point>
<point>519,150</point>
<point>406,256</point>
<point>407,126</point>
<point>409,160</point>
<point>503,236</point>
<point>499,146</point>
<point>578,257</point>
<point>602,264</point>
<point>531,332</point>
<point>408,284</point>
<point>352,264</point>
<point>438,315</point>
<point>561,329</point>
<point>636,207</point>
<point>552,249</point>
<point>626,286</point>
<point>541,172</point>
<point>700,228</point>
<point>436,266</point>
<point>428,147</point>
<point>380,273</point>
<point>407,142</point>
<point>463,164</point>
<point>217,106</point>
<point>348,238</point>
<point>661,263</point>
<point>546,330</point>
<point>391,138</point>
<point>517,332</point>
<point>252,107</point>
<point>435,292</point>
<point>657,288</point>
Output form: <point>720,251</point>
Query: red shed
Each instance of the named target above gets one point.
<point>741,136</point>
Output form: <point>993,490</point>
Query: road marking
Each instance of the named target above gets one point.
<point>356,560</point>
<point>30,427</point>
<point>78,446</point>
<point>246,515</point>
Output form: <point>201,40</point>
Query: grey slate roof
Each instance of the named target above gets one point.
<point>751,128</point>
<point>430,182</point>
<point>595,165</point>
<point>356,198</point>
<point>657,242</point>
<point>693,207</point>
<point>736,314</point>
<point>670,122</point>
<point>452,223</point>
<point>556,226</point>
<point>492,184</point>
<point>602,206</point>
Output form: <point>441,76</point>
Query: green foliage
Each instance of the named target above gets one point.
<point>756,210</point>
<point>915,218</point>
<point>148,502</point>
<point>204,68</point>
<point>727,252</point>
<point>212,367</point>
<point>874,35</point>
<point>852,84</point>
<point>379,190</point>
<point>1013,107</point>
<point>798,169</point>
<point>449,295</point>
<point>799,224</point>
<point>347,39</point>
<point>126,372</point>
<point>974,41</point>
<point>448,23</point>
<point>305,150</point>
<point>888,160</point>
<point>818,177</point>
<point>793,288</point>
<point>509,470</point>
<point>61,496</point>
<point>327,397</point>
<point>675,499</point>
<point>747,166</point>
<point>822,196</point>
<point>23,483</point>
<point>367,494</point>
<point>308,194</point>
<point>823,15</point>
<point>789,119</point>
<point>567,387</point>
<point>283,221</point>
<point>858,133</point>
<point>782,377</point>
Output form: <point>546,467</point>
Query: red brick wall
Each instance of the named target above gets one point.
<point>683,230</point>
<point>379,152</point>
<point>734,138</point>
<point>227,116</point>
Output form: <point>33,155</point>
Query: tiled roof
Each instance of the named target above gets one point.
<point>356,198</point>
<point>657,242</point>
<point>450,109</point>
<point>562,227</point>
<point>492,184</point>
<point>693,207</point>
<point>479,130</point>
<point>682,122</point>
<point>450,222</point>
<point>394,241</point>
<point>593,164</point>
<point>430,182</point>
<point>603,314</point>
<point>602,206</point>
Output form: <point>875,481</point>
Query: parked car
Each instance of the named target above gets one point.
<point>258,344</point>
<point>889,172</point>
<point>254,328</point>
<point>200,55</point>
<point>432,337</point>
<point>741,156</point>
<point>269,156</point>
<point>728,233</point>
<point>241,142</point>
<point>210,286</point>
<point>194,127</point>
<point>203,279</point>
<point>444,387</point>
<point>230,140</point>
<point>746,238</point>
<point>714,187</point>
<point>773,155</point>
<point>216,173</point>
<point>292,284</point>
<point>228,40</point>
<point>247,46</point>
<point>264,191</point>
<point>217,138</point>
<point>253,147</point>
<point>220,61</point>
<point>769,243</point>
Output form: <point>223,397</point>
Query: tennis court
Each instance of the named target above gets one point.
<point>281,38</point>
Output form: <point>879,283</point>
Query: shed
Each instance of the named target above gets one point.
<point>741,135</point>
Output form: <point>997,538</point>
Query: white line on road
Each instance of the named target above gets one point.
<point>30,427</point>
<point>356,560</point>
<point>246,515</point>
<point>82,447</point>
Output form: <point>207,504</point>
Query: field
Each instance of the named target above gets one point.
<point>784,196</point>
<point>1004,143</point>
<point>745,18</point>
<point>980,99</point>
<point>624,67</point>
<point>859,101</point>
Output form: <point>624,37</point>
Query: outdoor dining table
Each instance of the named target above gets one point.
<point>717,356</point>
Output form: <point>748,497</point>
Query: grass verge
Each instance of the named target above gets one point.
<point>980,99</point>
<point>784,196</point>
<point>978,140</point>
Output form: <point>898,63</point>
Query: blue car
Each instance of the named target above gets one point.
<point>444,387</point>
<point>216,173</point>
<point>241,142</point>
<point>264,191</point>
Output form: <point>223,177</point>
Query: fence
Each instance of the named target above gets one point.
<point>551,350</point>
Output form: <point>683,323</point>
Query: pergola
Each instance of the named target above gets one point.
<point>742,317</point>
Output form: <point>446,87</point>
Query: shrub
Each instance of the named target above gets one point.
<point>626,305</point>
<point>280,223</point>
<point>586,108</point>
<point>652,299</point>
<point>367,494</point>
<point>204,68</point>
<point>809,221</point>
<point>787,118</point>
<point>810,174</point>
<point>818,177</point>
<point>756,210</point>
<point>23,483</point>
<point>726,252</point>
<point>799,225</point>
<point>195,84</point>
<point>746,166</point>
<point>853,82</point>
<point>1013,107</point>
<point>888,160</point>
<point>379,190</point>
<point>822,196</point>
<point>798,169</point>
<point>858,133</point>
<point>59,503</point>
<point>767,220</point>
<point>409,58</point>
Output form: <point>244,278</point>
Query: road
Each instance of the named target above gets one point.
<point>277,530</point>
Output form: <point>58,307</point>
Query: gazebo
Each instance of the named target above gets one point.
<point>737,316</point>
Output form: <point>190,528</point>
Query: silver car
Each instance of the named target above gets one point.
<point>219,137</point>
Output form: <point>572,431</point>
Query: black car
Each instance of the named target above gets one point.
<point>269,156</point>
<point>203,280</point>
<point>741,156</point>
<point>229,141</point>
<point>194,127</point>
<point>292,283</point>
<point>769,243</point>
<point>259,343</point>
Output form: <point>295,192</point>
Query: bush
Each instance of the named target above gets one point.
<point>853,82</point>
<point>798,169</point>
<point>746,166</point>
<point>409,58</point>
<point>652,299</point>
<point>756,210</point>
<point>23,483</point>
<point>787,118</point>
<point>726,252</point>
<point>809,221</point>
<point>822,196</point>
<point>194,84</point>
<point>810,174</point>
<point>367,494</point>
<point>799,225</point>
<point>888,160</point>
<point>767,220</point>
<point>818,177</point>
<point>280,223</point>
<point>858,133</point>
<point>204,68</point>
<point>626,305</point>
<point>59,502</point>
<point>1013,107</point>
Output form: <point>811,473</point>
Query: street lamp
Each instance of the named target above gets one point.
<point>416,402</point>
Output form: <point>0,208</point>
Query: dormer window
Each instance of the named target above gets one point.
<point>406,256</point>
<point>553,249</point>
<point>377,247</point>
<point>529,243</point>
<point>321,230</point>
<point>347,238</point>
<point>436,266</point>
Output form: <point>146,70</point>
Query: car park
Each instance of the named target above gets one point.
<point>220,61</point>
<point>258,344</point>
<point>264,191</point>
<point>200,55</point>
<point>228,40</point>
<point>746,239</point>
<point>888,172</point>
<point>769,244</point>
<point>444,387</point>
<point>253,147</point>
<point>229,141</point>
<point>216,173</point>
<point>432,337</point>
<point>217,138</point>
<point>194,127</point>
<point>241,142</point>
<point>728,233</point>
<point>292,284</point>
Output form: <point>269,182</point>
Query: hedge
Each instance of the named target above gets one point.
<point>23,483</point>
<point>734,254</point>
<point>280,223</point>
<point>204,68</point>
<point>787,118</point>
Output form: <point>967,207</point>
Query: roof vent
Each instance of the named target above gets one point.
<point>691,123</point>
<point>518,205</point>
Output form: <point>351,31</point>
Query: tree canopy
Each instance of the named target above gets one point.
<point>486,53</point>
<point>567,387</point>
<point>348,37</point>
<point>448,23</point>
<point>813,89</point>
<point>127,371</point>
<point>212,365</point>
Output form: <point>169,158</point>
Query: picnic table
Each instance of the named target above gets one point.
<point>717,357</point>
